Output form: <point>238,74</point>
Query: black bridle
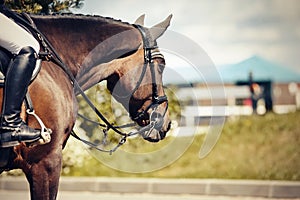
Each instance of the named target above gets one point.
<point>151,52</point>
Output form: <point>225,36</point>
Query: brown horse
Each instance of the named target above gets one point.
<point>95,49</point>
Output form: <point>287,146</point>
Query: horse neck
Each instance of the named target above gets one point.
<point>87,43</point>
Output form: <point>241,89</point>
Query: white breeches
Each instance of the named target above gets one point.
<point>13,37</point>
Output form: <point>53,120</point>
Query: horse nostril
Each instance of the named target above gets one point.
<point>155,116</point>
<point>158,119</point>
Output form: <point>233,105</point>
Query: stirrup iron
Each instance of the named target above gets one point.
<point>45,132</point>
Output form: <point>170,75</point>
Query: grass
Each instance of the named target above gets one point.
<point>253,147</point>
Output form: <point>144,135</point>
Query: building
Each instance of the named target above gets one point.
<point>254,85</point>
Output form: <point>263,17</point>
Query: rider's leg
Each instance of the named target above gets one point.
<point>22,44</point>
<point>12,129</point>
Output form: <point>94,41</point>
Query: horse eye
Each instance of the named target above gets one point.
<point>161,68</point>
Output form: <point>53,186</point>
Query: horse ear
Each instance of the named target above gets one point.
<point>157,30</point>
<point>140,20</point>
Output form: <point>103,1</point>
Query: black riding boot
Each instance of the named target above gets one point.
<point>12,129</point>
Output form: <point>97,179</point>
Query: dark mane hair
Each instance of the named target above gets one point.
<point>81,16</point>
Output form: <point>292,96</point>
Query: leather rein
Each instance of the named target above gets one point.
<point>150,53</point>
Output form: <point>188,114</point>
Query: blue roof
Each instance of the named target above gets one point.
<point>261,69</point>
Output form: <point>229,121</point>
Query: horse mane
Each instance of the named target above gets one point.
<point>84,41</point>
<point>71,16</point>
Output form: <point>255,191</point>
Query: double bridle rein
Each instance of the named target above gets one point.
<point>155,119</point>
<point>151,52</point>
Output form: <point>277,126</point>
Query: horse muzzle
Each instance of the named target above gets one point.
<point>157,128</point>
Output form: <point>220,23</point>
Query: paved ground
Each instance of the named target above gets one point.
<point>24,195</point>
<point>87,188</point>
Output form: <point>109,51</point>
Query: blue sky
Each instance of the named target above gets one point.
<point>228,30</point>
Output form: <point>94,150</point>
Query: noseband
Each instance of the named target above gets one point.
<point>151,52</point>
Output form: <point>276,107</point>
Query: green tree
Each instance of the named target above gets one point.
<point>43,6</point>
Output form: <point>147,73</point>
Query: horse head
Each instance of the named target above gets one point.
<point>138,86</point>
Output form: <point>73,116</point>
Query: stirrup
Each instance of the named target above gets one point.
<point>45,132</point>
